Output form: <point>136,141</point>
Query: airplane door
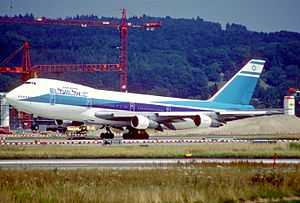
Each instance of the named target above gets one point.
<point>88,102</point>
<point>52,99</point>
<point>132,106</point>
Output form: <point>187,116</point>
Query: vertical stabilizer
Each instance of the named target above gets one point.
<point>239,89</point>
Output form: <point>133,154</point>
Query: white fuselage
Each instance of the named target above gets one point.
<point>68,101</point>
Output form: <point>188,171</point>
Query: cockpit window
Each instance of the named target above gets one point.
<point>28,82</point>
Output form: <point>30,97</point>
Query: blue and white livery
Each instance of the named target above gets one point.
<point>134,113</point>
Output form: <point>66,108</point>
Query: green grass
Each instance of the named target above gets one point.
<point>294,145</point>
<point>234,150</point>
<point>236,182</point>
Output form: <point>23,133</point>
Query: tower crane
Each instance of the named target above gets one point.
<point>27,71</point>
<point>123,27</point>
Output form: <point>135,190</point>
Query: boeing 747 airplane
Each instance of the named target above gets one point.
<point>71,103</point>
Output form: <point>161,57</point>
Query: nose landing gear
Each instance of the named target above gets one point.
<point>34,127</point>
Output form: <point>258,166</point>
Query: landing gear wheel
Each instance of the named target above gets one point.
<point>136,134</point>
<point>127,136</point>
<point>142,135</point>
<point>107,135</point>
<point>35,127</point>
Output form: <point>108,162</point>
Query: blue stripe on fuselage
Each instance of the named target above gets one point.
<point>161,106</point>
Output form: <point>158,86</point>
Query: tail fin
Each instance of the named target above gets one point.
<point>240,88</point>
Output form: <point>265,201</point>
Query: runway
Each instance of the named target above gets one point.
<point>127,163</point>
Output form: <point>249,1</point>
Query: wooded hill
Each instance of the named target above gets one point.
<point>185,58</point>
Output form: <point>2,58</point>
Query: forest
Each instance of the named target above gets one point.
<point>186,58</point>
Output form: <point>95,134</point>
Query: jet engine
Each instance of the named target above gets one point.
<point>205,121</point>
<point>66,123</point>
<point>142,123</point>
<point>200,121</point>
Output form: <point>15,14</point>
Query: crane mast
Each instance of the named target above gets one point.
<point>123,52</point>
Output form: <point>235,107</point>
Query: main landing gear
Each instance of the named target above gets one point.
<point>131,134</point>
<point>108,134</point>
<point>136,134</point>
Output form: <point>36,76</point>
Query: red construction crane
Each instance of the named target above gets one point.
<point>27,71</point>
<point>123,27</point>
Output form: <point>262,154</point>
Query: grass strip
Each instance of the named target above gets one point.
<point>236,182</point>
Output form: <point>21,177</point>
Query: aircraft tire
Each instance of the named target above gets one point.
<point>35,127</point>
<point>136,135</point>
<point>127,136</point>
<point>102,136</point>
<point>107,135</point>
<point>110,135</point>
<point>142,136</point>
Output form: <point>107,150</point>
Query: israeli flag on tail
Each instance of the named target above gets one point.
<point>239,90</point>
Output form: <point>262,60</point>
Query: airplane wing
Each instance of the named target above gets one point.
<point>215,119</point>
<point>157,116</point>
<point>225,116</point>
<point>160,116</point>
<point>221,116</point>
<point>168,119</point>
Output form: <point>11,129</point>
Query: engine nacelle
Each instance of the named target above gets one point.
<point>204,121</point>
<point>66,123</point>
<point>142,123</point>
<point>200,121</point>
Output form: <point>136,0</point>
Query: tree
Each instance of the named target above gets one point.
<point>177,60</point>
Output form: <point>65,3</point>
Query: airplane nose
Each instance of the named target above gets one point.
<point>7,96</point>
<point>10,97</point>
